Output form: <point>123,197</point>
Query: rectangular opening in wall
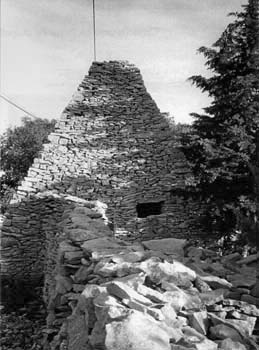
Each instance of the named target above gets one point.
<point>147,209</point>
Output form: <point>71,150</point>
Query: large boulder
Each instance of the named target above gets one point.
<point>158,271</point>
<point>139,332</point>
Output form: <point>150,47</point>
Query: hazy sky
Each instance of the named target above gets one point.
<point>47,48</point>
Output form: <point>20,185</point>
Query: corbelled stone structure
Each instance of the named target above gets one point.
<point>111,144</point>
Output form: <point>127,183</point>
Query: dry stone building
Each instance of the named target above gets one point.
<point>111,144</point>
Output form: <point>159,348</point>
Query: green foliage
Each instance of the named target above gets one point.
<point>222,145</point>
<point>19,146</point>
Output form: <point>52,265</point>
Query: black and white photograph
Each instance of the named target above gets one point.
<point>129,170</point>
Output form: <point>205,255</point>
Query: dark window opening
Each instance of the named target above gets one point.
<point>147,209</point>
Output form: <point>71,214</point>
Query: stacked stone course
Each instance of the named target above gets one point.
<point>110,144</point>
<point>29,230</point>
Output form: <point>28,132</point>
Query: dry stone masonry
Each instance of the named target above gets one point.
<point>105,293</point>
<point>28,231</point>
<point>101,217</point>
<point>111,144</point>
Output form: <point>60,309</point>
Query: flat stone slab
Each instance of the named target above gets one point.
<point>199,321</point>
<point>249,342</point>
<point>212,297</point>
<point>102,244</point>
<point>216,282</point>
<point>168,246</point>
<point>247,326</point>
<point>82,235</point>
<point>242,280</point>
<point>248,260</point>
<point>74,256</point>
<point>250,299</point>
<point>123,291</point>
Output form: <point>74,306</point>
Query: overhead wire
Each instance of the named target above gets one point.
<point>8,100</point>
<point>18,107</point>
<point>94,30</point>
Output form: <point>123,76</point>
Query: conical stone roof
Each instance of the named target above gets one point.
<point>112,144</point>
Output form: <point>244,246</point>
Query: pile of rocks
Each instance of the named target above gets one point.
<point>241,273</point>
<point>158,294</point>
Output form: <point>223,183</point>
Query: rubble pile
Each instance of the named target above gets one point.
<point>158,294</point>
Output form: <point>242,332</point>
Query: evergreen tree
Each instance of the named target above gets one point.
<point>222,147</point>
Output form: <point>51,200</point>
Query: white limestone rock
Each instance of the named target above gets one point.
<point>179,300</point>
<point>158,271</point>
<point>246,326</point>
<point>107,309</point>
<point>123,291</point>
<point>194,340</point>
<point>199,321</point>
<point>151,294</point>
<point>132,280</point>
<point>169,314</point>
<point>92,291</point>
<point>138,332</point>
<point>131,257</point>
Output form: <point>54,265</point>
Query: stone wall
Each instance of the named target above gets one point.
<point>29,231</point>
<point>111,144</point>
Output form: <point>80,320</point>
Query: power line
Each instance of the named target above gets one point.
<point>17,106</point>
<point>94,31</point>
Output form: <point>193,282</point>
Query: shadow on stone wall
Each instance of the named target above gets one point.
<point>27,233</point>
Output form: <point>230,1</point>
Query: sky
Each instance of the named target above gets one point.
<point>47,48</point>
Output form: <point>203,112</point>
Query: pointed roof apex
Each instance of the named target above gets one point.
<point>112,66</point>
